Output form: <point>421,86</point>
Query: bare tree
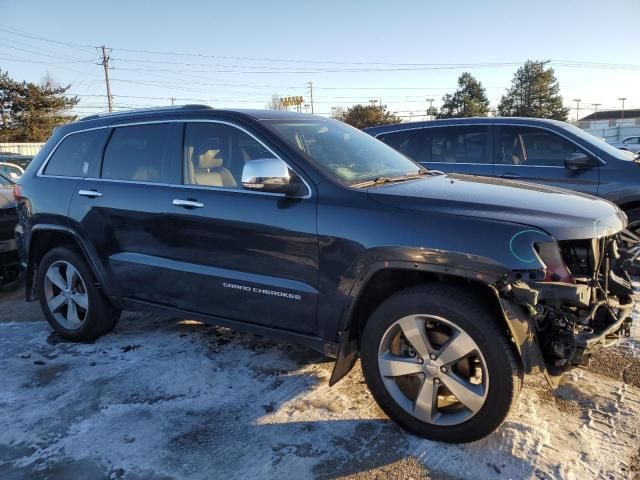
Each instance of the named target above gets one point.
<point>275,103</point>
<point>337,113</point>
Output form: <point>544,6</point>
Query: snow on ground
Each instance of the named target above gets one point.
<point>166,397</point>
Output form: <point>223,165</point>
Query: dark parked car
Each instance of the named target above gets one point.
<point>21,161</point>
<point>528,149</point>
<point>449,288</point>
<point>10,274</point>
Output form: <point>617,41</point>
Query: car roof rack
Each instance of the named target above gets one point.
<point>147,110</point>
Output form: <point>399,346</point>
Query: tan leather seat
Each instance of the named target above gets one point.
<point>211,172</point>
<point>146,174</point>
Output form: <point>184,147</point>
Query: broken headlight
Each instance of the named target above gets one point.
<point>556,271</point>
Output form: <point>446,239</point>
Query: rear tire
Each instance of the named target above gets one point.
<point>70,300</point>
<point>454,322</point>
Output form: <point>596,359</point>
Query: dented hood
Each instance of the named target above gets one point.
<point>564,214</point>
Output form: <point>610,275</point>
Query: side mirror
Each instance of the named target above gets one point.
<point>269,175</point>
<point>579,161</point>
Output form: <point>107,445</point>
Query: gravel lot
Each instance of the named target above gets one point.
<point>167,397</point>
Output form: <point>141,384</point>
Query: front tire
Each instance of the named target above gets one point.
<point>439,364</point>
<point>70,300</point>
<point>633,215</point>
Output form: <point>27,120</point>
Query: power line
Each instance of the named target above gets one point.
<point>22,33</point>
<point>22,60</point>
<point>575,63</point>
<point>139,96</point>
<point>40,50</point>
<point>409,66</point>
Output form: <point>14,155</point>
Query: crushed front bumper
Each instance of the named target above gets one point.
<point>557,325</point>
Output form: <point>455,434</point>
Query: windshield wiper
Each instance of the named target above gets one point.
<point>389,179</point>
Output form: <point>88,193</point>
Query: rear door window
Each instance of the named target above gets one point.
<point>413,143</point>
<point>460,144</point>
<point>138,153</point>
<point>78,154</point>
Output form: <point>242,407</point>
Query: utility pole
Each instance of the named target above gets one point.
<point>311,95</point>
<point>577,100</point>
<point>595,113</point>
<point>373,102</point>
<point>105,64</point>
<point>430,112</point>
<point>621,118</point>
<point>173,101</point>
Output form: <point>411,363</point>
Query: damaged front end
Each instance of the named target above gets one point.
<point>579,303</point>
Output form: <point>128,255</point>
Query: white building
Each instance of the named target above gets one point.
<point>610,125</point>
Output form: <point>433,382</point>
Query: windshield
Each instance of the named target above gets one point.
<point>345,153</point>
<point>598,143</point>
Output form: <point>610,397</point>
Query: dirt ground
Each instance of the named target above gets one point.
<point>167,397</point>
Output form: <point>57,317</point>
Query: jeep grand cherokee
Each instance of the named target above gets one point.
<point>448,287</point>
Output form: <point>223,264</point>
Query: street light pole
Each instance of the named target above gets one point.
<point>430,112</point>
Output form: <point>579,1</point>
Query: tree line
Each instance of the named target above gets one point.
<point>534,92</point>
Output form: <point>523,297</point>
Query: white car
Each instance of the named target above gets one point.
<point>631,144</point>
<point>11,171</point>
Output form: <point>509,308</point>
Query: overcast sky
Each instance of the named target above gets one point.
<point>399,51</point>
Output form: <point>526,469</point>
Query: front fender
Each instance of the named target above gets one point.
<point>454,264</point>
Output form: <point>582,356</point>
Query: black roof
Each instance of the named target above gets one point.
<point>612,115</point>
<point>463,121</point>
<point>191,111</point>
<point>200,109</point>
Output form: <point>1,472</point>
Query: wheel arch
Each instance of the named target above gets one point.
<point>44,238</point>
<point>383,279</point>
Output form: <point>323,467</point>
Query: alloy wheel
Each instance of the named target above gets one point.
<point>66,295</point>
<point>433,369</point>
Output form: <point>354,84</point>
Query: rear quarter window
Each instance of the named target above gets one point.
<point>78,154</point>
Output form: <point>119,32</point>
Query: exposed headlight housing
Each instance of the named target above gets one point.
<point>549,254</point>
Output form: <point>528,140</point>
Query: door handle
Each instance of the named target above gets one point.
<point>509,175</point>
<point>187,203</point>
<point>89,193</point>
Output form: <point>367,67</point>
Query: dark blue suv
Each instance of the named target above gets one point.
<point>528,149</point>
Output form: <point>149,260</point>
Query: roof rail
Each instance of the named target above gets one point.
<point>124,113</point>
